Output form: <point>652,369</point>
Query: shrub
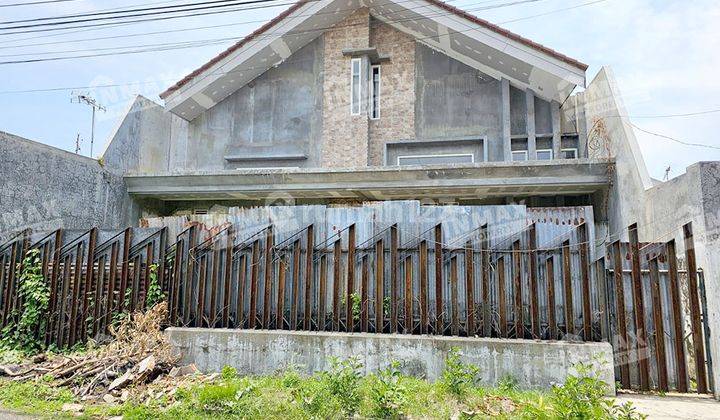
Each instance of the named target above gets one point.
<point>387,395</point>
<point>228,373</point>
<point>26,334</point>
<point>343,382</point>
<point>458,376</point>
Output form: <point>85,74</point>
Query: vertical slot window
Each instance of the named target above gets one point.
<point>375,93</point>
<point>355,86</point>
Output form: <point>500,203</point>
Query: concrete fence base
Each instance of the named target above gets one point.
<point>534,364</point>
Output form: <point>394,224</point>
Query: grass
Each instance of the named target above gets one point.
<point>342,392</point>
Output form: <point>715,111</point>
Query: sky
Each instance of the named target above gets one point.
<point>664,55</point>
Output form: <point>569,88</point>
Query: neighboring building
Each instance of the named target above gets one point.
<point>347,102</point>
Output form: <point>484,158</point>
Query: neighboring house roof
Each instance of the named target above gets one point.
<point>525,63</point>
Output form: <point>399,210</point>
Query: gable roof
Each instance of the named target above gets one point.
<point>305,9</point>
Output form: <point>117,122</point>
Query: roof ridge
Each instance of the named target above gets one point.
<point>439,3</point>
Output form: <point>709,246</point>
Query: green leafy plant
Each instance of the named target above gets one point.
<point>627,411</point>
<point>387,394</point>
<point>457,376</point>
<point>228,373</point>
<point>26,334</point>
<point>582,396</point>
<point>155,294</point>
<point>343,382</point>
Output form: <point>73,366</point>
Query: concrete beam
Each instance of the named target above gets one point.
<point>493,178</point>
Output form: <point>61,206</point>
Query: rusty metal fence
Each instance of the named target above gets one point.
<point>394,281</point>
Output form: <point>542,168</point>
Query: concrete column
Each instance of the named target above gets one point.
<point>530,107</point>
<point>505,96</point>
<point>557,134</point>
<point>582,127</point>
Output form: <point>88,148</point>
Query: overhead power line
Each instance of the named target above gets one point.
<point>132,14</point>
<point>200,43</point>
<point>33,3</point>
<point>683,142</point>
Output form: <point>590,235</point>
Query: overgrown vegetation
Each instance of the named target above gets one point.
<point>154,294</point>
<point>26,334</point>
<point>341,392</point>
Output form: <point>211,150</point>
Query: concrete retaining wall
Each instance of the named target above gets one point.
<point>535,364</point>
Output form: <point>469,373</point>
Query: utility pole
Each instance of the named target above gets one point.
<point>86,99</point>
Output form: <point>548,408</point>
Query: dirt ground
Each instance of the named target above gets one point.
<point>674,406</point>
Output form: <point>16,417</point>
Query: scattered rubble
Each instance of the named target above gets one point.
<point>138,359</point>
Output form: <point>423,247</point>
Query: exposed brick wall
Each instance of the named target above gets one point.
<point>344,136</point>
<point>397,90</point>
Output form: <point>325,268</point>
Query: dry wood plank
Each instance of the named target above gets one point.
<point>502,297</point>
<point>551,302</point>
<point>309,275</point>
<point>583,238</point>
<point>678,333</point>
<point>76,290</point>
<point>639,309</point>
<point>364,295</point>
<point>485,261</point>
<point>240,298</point>
<point>534,306</point>
<point>87,288</point>
<point>517,290</point>
<point>660,356</point>
<point>200,317</point>
<point>379,285</point>
<point>280,307</point>
<point>394,244</point>
<point>408,327</point>
<point>439,310</point>
<point>295,296</point>
<point>567,286</point>
<point>695,315</point>
<point>620,316</point>
<point>454,310</point>
<point>267,277</point>
<point>214,281</point>
<point>322,293</point>
<point>227,274</point>
<point>469,289</point>
<point>337,267</point>
<point>254,283</point>
<point>350,289</point>
<point>423,272</point>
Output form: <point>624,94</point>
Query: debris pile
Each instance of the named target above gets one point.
<point>138,354</point>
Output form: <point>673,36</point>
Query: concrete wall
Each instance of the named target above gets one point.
<point>455,100</point>
<point>535,364</point>
<point>45,188</point>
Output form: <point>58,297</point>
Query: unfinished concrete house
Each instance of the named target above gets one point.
<point>400,151</point>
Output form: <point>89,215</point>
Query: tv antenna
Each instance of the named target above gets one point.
<point>85,98</point>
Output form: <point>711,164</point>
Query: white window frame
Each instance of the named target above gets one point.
<point>544,150</point>
<point>354,86</point>
<point>514,152</point>
<point>472,157</point>
<point>375,109</point>
<point>570,149</point>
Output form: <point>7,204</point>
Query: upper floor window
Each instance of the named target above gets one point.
<point>569,153</point>
<point>443,158</point>
<point>355,65</point>
<point>375,92</point>
<point>544,154</point>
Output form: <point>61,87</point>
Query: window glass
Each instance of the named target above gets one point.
<point>569,153</point>
<point>544,154</point>
<point>355,86</point>
<point>375,92</point>
<point>435,159</point>
<point>519,155</point>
